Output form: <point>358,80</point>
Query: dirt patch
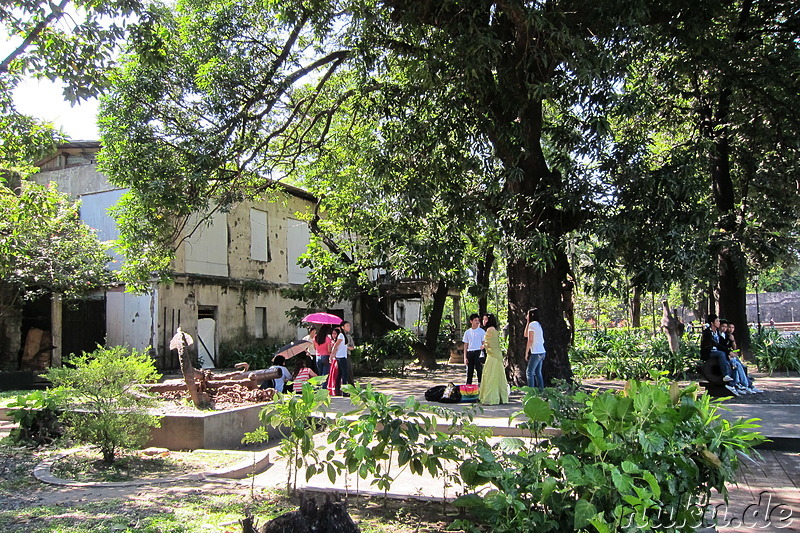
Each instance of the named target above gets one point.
<point>227,397</point>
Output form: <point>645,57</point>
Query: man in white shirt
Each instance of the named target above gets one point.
<point>473,341</point>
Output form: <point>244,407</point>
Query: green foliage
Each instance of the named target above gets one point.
<point>644,459</point>
<point>291,415</point>
<point>72,41</point>
<point>102,404</point>
<point>379,433</point>
<point>391,351</point>
<point>36,415</point>
<point>258,355</point>
<point>775,352</point>
<point>45,247</point>
<point>630,354</point>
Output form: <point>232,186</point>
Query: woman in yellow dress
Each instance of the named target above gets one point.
<point>494,386</point>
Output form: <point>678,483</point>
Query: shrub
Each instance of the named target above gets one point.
<point>391,351</point>
<point>379,433</point>
<point>103,405</point>
<point>630,354</point>
<point>36,415</point>
<point>774,352</point>
<point>647,458</point>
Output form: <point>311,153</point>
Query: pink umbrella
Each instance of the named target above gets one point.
<point>323,318</point>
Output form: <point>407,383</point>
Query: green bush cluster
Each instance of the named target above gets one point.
<point>256,355</point>
<point>101,402</point>
<point>387,354</point>
<point>36,416</point>
<point>775,352</point>
<point>641,459</point>
<point>630,354</point>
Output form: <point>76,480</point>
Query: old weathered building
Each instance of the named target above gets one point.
<point>228,274</point>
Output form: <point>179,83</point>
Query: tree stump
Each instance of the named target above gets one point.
<point>330,517</point>
<point>672,325</point>
<point>183,344</point>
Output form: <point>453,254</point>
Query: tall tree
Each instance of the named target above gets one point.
<point>719,101</point>
<point>215,103</point>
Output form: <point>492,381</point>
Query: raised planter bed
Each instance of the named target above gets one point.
<point>212,430</point>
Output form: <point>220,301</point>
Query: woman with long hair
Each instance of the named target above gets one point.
<point>334,374</point>
<point>301,374</point>
<point>534,350</point>
<point>494,386</point>
<point>322,345</point>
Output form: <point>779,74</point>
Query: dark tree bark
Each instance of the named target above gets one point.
<point>482,279</point>
<point>544,290</point>
<point>636,307</point>
<point>733,291</point>
<point>731,261</point>
<point>434,324</point>
<point>330,517</point>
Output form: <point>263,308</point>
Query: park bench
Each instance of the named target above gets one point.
<point>712,374</point>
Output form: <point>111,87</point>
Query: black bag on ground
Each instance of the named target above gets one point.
<point>434,394</point>
<point>451,394</point>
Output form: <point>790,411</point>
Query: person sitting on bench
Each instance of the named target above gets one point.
<point>741,380</point>
<point>712,345</point>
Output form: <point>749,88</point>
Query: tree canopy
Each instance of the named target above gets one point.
<point>557,119</point>
<point>71,41</point>
<point>45,247</point>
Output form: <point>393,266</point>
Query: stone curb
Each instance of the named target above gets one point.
<point>43,472</point>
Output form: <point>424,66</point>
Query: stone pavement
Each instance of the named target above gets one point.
<point>766,496</point>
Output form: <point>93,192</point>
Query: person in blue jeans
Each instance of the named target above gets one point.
<point>534,350</point>
<point>712,344</point>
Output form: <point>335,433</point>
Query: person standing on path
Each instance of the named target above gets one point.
<point>339,350</point>
<point>534,350</point>
<point>311,351</point>
<point>494,387</point>
<point>473,339</point>
<point>322,345</point>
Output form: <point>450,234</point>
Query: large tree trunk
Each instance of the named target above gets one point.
<point>730,258</point>
<point>530,287</point>
<point>483,279</point>
<point>636,307</point>
<point>733,292</point>
<point>428,360</point>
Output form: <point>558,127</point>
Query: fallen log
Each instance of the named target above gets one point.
<point>249,380</point>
